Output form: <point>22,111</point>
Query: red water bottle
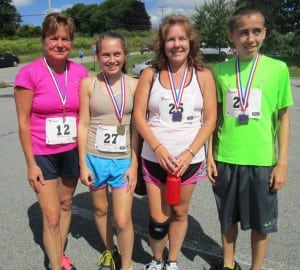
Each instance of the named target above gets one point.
<point>173,189</point>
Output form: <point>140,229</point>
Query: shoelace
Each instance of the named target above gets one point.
<point>153,265</point>
<point>106,259</point>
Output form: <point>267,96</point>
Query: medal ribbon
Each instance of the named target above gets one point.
<point>118,110</point>
<point>177,95</point>
<point>244,95</point>
<point>62,94</point>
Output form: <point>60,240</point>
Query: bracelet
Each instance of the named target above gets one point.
<point>191,151</point>
<point>155,148</point>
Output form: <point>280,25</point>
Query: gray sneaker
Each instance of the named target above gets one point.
<point>154,265</point>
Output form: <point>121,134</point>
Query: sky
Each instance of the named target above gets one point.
<point>33,11</point>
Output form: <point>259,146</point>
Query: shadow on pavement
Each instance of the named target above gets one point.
<point>197,243</point>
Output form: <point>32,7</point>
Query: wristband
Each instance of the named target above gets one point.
<point>191,151</point>
<point>155,148</point>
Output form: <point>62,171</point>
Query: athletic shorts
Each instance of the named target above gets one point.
<point>108,171</point>
<point>154,173</point>
<point>243,195</point>
<point>64,165</point>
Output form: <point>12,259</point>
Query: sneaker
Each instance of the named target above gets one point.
<point>220,266</point>
<point>109,260</point>
<point>66,263</point>
<point>154,265</point>
<point>117,258</point>
<point>171,265</point>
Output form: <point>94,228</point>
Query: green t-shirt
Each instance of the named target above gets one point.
<point>253,143</point>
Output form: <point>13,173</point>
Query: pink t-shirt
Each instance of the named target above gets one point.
<point>47,102</point>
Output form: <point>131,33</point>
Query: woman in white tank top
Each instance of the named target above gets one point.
<point>175,113</point>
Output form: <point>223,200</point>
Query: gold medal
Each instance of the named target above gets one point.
<point>121,130</point>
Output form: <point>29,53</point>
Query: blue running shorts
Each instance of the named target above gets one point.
<point>108,171</point>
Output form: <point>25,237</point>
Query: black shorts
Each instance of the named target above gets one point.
<point>64,165</point>
<point>154,173</point>
<point>243,195</point>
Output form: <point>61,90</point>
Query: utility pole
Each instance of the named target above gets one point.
<point>162,12</point>
<point>49,6</point>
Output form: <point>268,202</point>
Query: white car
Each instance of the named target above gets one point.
<point>137,69</point>
<point>223,51</point>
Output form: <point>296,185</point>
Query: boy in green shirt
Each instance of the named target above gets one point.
<point>254,94</point>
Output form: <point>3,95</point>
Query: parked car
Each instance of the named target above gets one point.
<point>137,69</point>
<point>275,54</point>
<point>147,48</point>
<point>8,60</point>
<point>222,51</point>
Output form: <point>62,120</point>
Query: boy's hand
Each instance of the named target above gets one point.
<point>278,177</point>
<point>211,169</point>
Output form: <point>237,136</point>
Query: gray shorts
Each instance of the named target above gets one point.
<point>243,195</point>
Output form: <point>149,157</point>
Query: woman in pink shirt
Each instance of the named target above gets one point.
<point>47,103</point>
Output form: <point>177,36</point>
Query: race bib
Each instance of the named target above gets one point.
<point>170,114</point>
<point>61,130</point>
<point>108,139</point>
<point>233,107</point>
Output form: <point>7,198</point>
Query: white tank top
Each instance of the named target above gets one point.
<point>175,136</point>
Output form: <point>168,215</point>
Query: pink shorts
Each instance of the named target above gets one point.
<point>154,173</point>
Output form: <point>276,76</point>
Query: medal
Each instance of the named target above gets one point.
<point>61,92</point>
<point>243,118</point>
<point>64,114</point>
<point>177,94</point>
<point>121,130</point>
<point>176,116</point>
<point>118,110</point>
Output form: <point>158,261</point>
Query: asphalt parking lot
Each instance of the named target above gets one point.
<point>21,223</point>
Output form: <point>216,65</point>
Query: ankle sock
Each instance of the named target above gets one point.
<point>230,267</point>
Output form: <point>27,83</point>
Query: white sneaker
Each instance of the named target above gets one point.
<point>171,266</point>
<point>154,265</point>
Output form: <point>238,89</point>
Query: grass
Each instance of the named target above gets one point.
<point>293,63</point>
<point>93,67</point>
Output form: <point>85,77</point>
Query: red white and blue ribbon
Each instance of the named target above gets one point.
<point>61,92</point>
<point>244,94</point>
<point>177,94</point>
<point>118,110</point>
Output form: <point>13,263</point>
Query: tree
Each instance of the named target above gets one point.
<point>110,14</point>
<point>281,15</point>
<point>83,17</point>
<point>211,20</point>
<point>9,18</point>
<point>28,31</point>
<point>136,17</point>
<point>282,22</point>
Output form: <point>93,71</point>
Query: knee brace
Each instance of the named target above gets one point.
<point>158,230</point>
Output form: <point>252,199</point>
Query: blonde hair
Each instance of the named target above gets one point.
<point>55,19</point>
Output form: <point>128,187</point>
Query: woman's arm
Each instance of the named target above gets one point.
<point>23,101</point>
<point>208,90</point>
<point>84,120</point>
